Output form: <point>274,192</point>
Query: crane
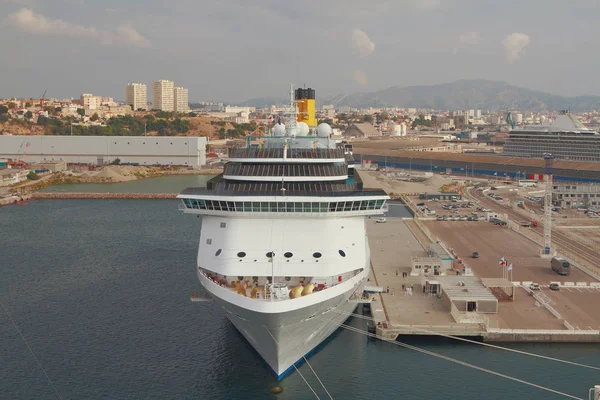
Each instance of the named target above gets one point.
<point>510,121</point>
<point>42,100</point>
<point>549,161</point>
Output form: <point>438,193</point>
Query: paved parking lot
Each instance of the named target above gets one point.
<point>577,305</point>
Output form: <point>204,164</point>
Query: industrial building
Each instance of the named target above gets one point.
<point>440,196</point>
<point>569,195</point>
<point>566,139</point>
<point>361,131</point>
<point>100,150</point>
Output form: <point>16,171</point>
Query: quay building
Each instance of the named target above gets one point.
<point>566,138</point>
<point>569,195</point>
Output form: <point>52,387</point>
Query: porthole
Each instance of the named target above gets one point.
<point>241,254</point>
<point>317,255</point>
<point>288,255</point>
<point>342,253</point>
<point>218,252</point>
<point>270,254</point>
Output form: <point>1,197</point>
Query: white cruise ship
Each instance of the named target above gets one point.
<point>283,246</point>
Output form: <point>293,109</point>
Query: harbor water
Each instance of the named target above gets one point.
<point>100,291</point>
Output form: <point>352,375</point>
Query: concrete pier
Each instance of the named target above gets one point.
<point>396,312</point>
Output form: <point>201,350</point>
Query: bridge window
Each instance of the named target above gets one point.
<point>241,254</point>
<point>270,254</point>
<point>342,253</point>
<point>288,255</point>
<point>218,252</point>
<point>317,255</point>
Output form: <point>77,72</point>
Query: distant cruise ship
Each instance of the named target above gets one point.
<point>283,246</point>
<point>566,139</point>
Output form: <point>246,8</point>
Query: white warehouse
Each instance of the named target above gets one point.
<point>99,150</point>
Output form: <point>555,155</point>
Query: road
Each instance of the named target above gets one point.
<point>560,241</point>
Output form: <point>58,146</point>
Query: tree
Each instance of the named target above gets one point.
<point>3,117</point>
<point>32,176</point>
<point>12,105</point>
<point>81,111</point>
<point>368,119</point>
<point>20,112</point>
<point>42,120</point>
<point>95,117</point>
<point>28,104</point>
<point>116,161</point>
<point>28,114</point>
<point>3,110</point>
<point>57,109</point>
<point>191,114</point>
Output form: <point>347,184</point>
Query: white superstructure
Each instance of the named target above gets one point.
<point>283,245</point>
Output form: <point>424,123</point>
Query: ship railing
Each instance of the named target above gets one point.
<point>280,293</point>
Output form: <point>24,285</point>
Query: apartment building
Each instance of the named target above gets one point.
<point>180,98</point>
<point>90,102</point>
<point>162,95</point>
<point>136,95</point>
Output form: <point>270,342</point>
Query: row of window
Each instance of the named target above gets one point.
<point>271,206</point>
<point>271,254</point>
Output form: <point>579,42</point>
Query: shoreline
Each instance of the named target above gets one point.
<point>61,178</point>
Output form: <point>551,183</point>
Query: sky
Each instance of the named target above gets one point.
<point>233,50</point>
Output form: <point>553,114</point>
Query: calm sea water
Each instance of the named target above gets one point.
<point>100,290</point>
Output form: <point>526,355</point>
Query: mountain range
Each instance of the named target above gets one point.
<point>460,95</point>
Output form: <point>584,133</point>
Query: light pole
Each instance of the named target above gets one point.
<point>409,166</point>
<point>145,122</point>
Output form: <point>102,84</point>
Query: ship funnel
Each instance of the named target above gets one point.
<point>305,100</point>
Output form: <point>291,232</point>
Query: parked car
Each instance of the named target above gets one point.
<point>475,255</point>
<point>534,286</point>
<point>420,204</point>
<point>381,220</point>
<point>554,286</point>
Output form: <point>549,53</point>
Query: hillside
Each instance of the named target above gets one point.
<point>213,128</point>
<point>468,94</point>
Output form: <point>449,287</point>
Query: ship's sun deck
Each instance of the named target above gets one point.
<point>284,288</point>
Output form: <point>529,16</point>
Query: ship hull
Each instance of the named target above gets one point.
<point>283,339</point>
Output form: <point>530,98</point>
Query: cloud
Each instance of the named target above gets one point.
<point>425,5</point>
<point>469,38</point>
<point>36,24</point>
<point>361,43</point>
<point>360,78</point>
<point>514,44</point>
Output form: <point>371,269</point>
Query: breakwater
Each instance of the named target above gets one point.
<point>86,196</point>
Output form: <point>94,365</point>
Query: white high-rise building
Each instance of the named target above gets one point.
<point>136,95</point>
<point>162,96</point>
<point>180,97</point>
